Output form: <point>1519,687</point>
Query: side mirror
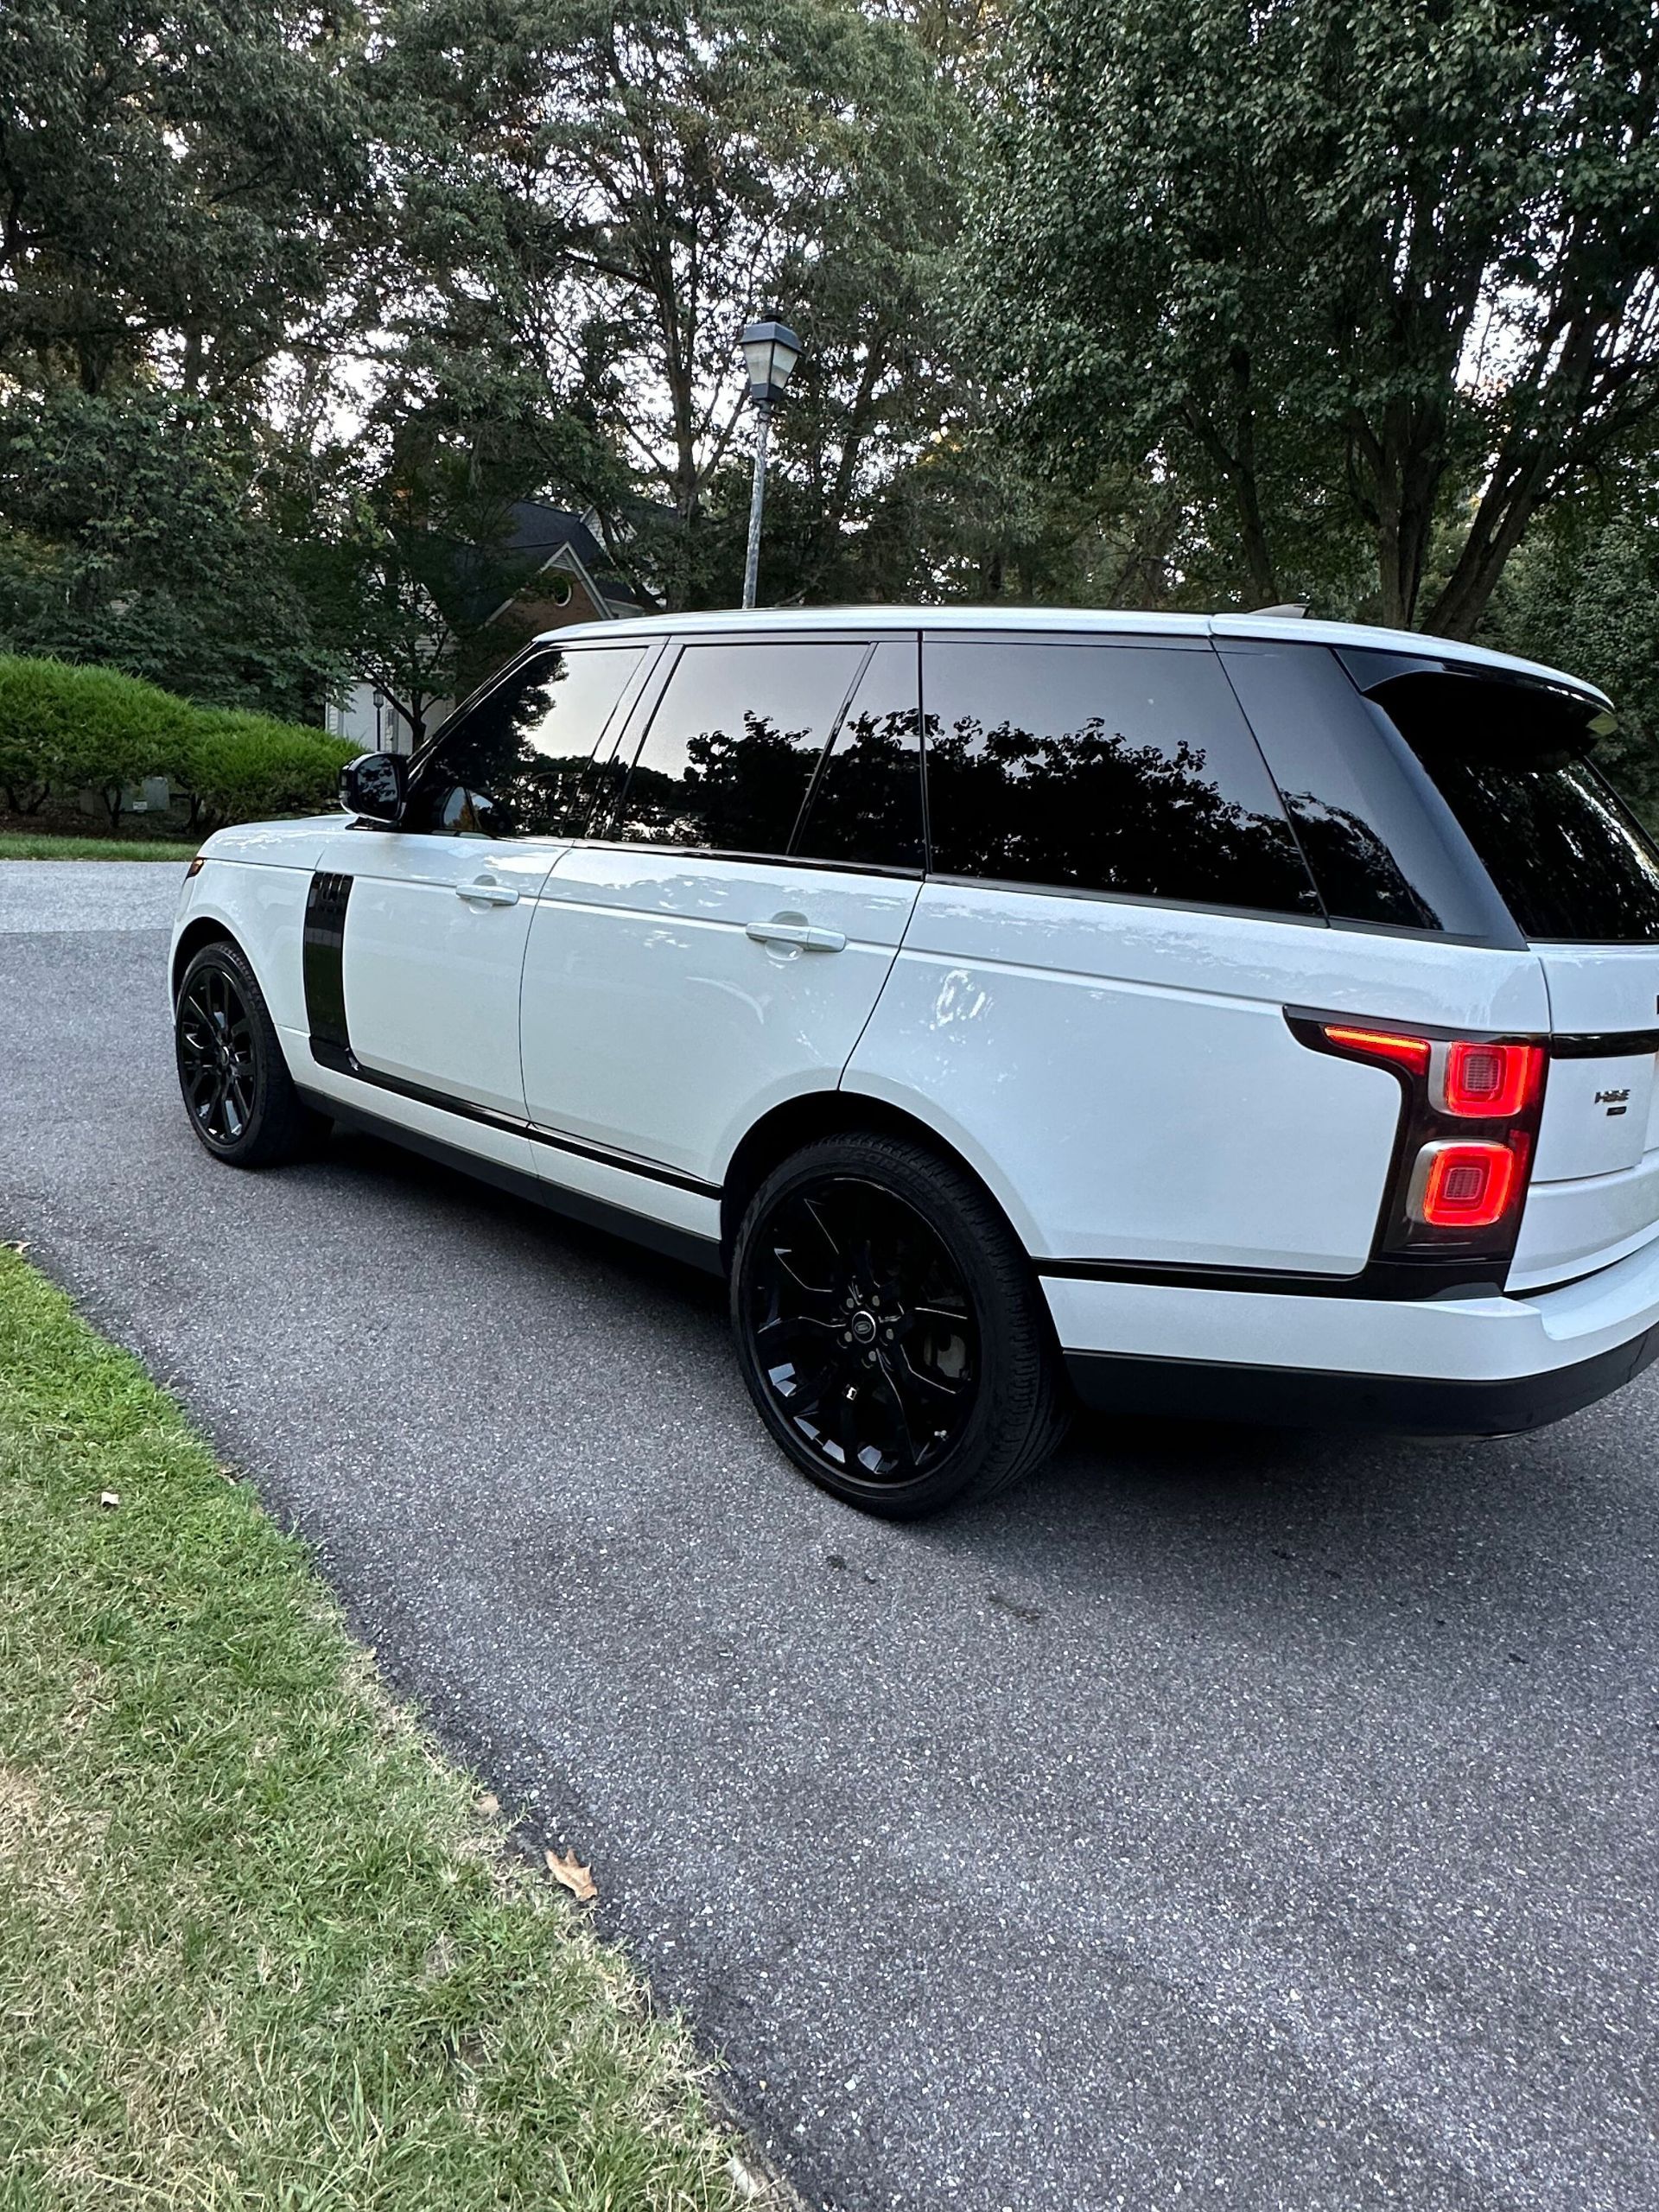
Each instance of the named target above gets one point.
<point>374,787</point>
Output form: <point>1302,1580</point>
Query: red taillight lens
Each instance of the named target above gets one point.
<point>1463,1149</point>
<point>1489,1082</point>
<point>1383,1044</point>
<point>1466,1186</point>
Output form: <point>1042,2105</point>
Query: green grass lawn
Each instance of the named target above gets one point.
<point>260,1947</point>
<point>23,845</point>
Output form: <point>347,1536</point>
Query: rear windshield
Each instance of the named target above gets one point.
<point>1519,765</point>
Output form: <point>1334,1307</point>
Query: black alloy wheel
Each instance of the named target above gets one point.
<point>889,1328</point>
<point>865,1330</point>
<point>237,1088</point>
<point>216,1064</point>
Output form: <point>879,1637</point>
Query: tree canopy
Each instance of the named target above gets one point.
<point>1175,305</point>
<point>1377,275</point>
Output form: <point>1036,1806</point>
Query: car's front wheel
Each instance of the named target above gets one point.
<point>890,1329</point>
<point>237,1088</point>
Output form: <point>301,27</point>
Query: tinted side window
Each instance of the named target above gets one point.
<point>1515,762</point>
<point>865,807</point>
<point>1381,848</point>
<point>514,765</point>
<point>1102,767</point>
<point>733,746</point>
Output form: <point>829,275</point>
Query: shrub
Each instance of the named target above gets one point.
<point>241,767</point>
<point>64,729</point>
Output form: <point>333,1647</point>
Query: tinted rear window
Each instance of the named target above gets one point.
<point>1379,853</point>
<point>1516,761</point>
<point>1102,767</point>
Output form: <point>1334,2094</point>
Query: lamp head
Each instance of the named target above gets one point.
<point>771,350</point>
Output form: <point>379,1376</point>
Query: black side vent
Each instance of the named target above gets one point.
<point>324,961</point>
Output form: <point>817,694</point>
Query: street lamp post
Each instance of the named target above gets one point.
<point>771,350</point>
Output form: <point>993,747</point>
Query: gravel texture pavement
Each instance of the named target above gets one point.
<point>1227,1819</point>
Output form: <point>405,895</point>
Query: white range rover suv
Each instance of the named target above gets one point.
<point>1221,1015</point>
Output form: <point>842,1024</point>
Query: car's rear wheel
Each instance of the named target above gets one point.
<point>890,1329</point>
<point>237,1088</point>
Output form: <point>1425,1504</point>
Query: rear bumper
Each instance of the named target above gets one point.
<point>1450,1367</point>
<point>1300,1397</point>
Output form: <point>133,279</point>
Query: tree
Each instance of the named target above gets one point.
<point>1582,593</point>
<point>595,197</point>
<point>185,188</point>
<point>132,534</point>
<point>408,563</point>
<point>181,183</point>
<point>1367,275</point>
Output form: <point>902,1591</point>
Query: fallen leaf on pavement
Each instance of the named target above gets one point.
<point>574,1877</point>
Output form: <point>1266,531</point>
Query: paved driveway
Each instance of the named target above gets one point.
<point>1225,1820</point>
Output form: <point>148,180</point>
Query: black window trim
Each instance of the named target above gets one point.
<point>1160,641</point>
<point>821,763</point>
<point>756,860</point>
<point>1427,815</point>
<point>630,723</point>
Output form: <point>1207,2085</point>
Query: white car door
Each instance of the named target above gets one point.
<point>426,924</point>
<point>720,946</point>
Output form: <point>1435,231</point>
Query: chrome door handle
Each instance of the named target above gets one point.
<point>487,894</point>
<point>801,933</point>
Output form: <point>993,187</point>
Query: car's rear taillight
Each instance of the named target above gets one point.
<point>1412,1052</point>
<point>1488,1081</point>
<point>1459,1180</point>
<point>1464,1186</point>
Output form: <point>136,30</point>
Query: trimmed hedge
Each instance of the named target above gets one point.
<point>65,729</point>
<point>240,767</point>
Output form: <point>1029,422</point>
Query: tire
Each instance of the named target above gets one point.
<point>890,1329</point>
<point>237,1090</point>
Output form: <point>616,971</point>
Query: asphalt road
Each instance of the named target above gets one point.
<point>1225,1820</point>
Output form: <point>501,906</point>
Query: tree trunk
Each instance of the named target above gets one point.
<point>1503,515</point>
<point>1394,479</point>
<point>1258,557</point>
<point>1264,575</point>
<point>1238,467</point>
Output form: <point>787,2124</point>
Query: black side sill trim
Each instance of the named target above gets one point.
<point>1604,1045</point>
<point>341,1060</point>
<point>676,1244</point>
<point>1403,1405</point>
<point>1387,1278</point>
